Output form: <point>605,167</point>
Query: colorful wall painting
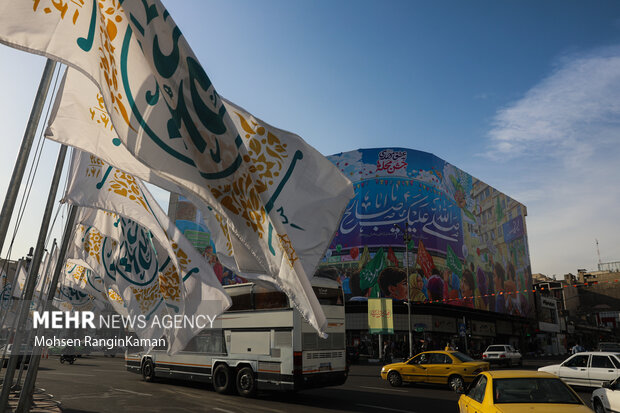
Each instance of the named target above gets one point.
<point>467,242</point>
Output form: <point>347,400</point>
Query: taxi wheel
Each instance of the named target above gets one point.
<point>394,379</point>
<point>455,382</point>
<point>598,406</point>
<point>509,363</point>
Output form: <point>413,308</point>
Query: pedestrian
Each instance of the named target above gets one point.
<point>387,357</point>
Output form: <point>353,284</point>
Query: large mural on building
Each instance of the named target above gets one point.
<point>466,241</point>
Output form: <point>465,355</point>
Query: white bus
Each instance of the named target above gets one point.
<point>264,344</point>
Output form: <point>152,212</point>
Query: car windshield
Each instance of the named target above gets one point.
<point>533,390</point>
<point>463,357</point>
<point>495,348</point>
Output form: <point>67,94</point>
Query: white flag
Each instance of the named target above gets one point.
<point>195,291</point>
<point>5,291</point>
<point>20,281</point>
<point>166,113</point>
<point>84,279</point>
<point>95,184</point>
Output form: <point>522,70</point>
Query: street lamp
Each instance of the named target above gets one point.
<point>407,239</point>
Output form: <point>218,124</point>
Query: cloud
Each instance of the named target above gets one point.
<point>563,136</point>
<point>569,115</point>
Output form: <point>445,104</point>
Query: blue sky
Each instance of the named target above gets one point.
<point>520,94</point>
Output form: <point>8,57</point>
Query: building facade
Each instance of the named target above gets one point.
<point>462,243</point>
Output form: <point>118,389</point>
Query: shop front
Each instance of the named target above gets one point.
<point>482,335</point>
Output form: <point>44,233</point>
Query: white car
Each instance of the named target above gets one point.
<point>607,398</point>
<point>503,354</point>
<point>588,369</point>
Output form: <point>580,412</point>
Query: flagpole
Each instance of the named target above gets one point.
<point>25,397</point>
<point>31,281</point>
<point>39,306</point>
<point>24,151</point>
<point>406,239</point>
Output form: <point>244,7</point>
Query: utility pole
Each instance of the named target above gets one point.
<point>407,239</point>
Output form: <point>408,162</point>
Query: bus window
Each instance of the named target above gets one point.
<point>312,341</point>
<point>207,341</point>
<point>328,296</point>
<point>267,299</point>
<point>241,299</point>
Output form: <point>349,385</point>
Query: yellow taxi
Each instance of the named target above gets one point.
<point>441,367</point>
<point>512,391</point>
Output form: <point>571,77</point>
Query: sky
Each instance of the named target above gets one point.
<point>523,95</point>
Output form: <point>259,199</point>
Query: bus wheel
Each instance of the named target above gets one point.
<point>246,384</point>
<point>148,370</point>
<point>221,379</point>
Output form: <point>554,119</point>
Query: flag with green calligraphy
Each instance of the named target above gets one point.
<point>280,199</point>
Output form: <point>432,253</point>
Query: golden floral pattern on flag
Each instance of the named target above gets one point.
<point>60,6</point>
<point>113,295</point>
<point>169,284</point>
<point>101,114</point>
<point>125,185</point>
<point>111,15</point>
<point>224,228</point>
<point>95,166</point>
<point>288,249</point>
<point>265,159</point>
<point>146,297</point>
<point>77,272</point>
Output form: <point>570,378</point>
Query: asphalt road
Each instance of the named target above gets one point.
<point>98,384</point>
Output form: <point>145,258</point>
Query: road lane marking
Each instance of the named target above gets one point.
<point>244,406</point>
<point>132,392</point>
<point>175,391</point>
<point>223,410</point>
<point>385,408</point>
<point>67,374</point>
<point>383,388</point>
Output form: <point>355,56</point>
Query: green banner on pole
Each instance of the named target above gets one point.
<point>453,262</point>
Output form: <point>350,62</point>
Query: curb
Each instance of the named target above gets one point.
<point>42,402</point>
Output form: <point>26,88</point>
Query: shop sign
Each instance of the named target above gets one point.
<point>480,328</point>
<point>444,324</point>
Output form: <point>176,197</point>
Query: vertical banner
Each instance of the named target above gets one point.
<point>380,316</point>
<point>370,273</point>
<point>453,262</point>
<point>425,261</point>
